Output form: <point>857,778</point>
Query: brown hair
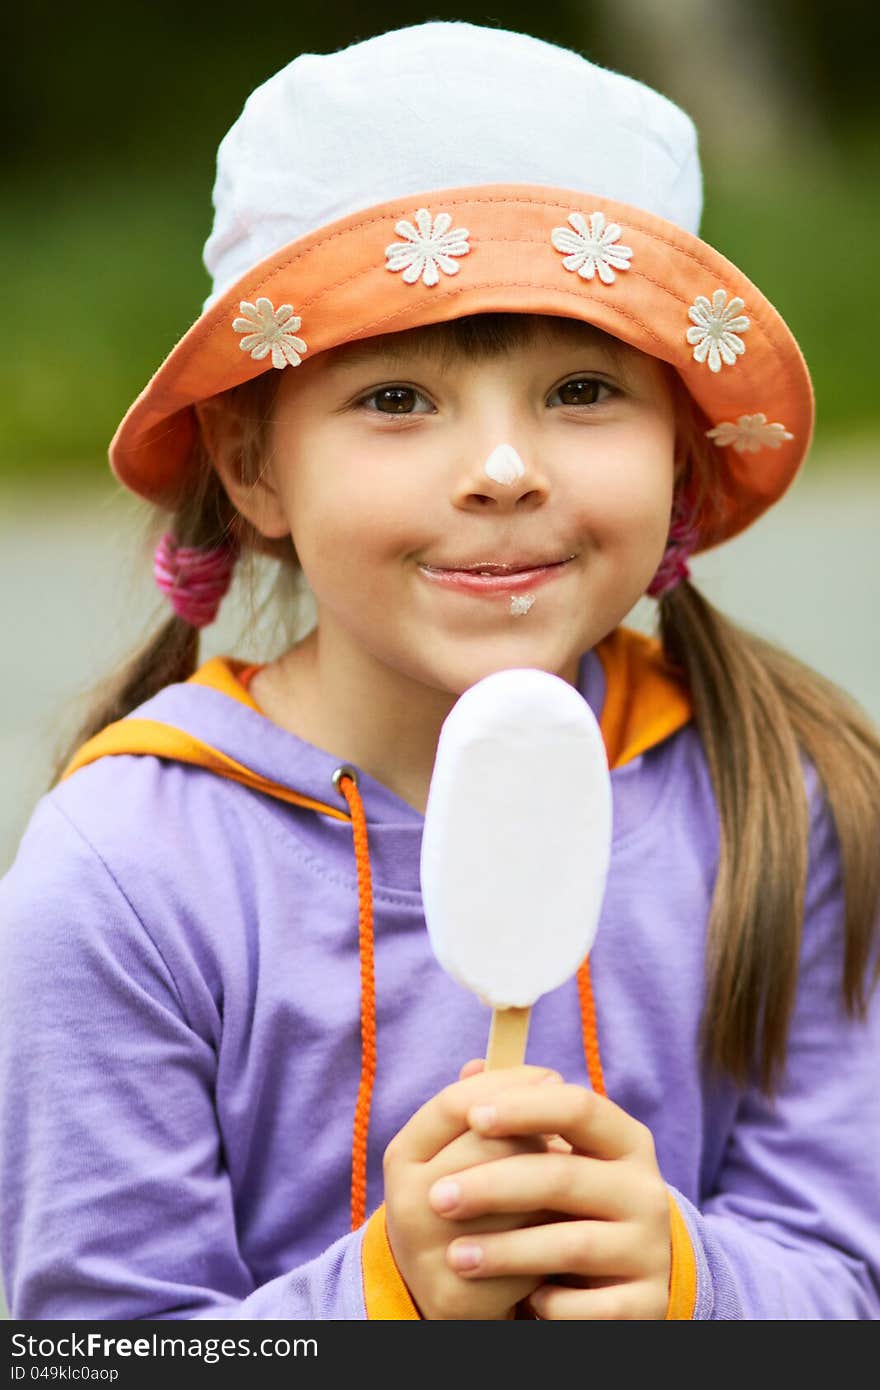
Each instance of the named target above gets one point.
<point>757,710</point>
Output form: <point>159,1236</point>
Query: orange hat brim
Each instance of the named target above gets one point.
<point>338,281</point>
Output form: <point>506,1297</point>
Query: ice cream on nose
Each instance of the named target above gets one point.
<point>504,465</point>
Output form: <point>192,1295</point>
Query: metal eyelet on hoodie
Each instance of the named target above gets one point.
<point>344,771</point>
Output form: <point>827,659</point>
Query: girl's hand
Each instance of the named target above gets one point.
<point>609,1257</point>
<point>438,1141</point>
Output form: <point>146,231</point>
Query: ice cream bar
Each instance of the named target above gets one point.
<point>516,844</point>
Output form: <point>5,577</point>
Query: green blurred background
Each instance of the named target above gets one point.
<point>113,115</point>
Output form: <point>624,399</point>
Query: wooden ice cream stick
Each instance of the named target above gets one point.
<point>508,1034</point>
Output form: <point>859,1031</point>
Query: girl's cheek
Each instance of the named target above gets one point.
<point>615,513</point>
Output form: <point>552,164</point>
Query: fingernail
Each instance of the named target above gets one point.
<point>482,1116</point>
<point>465,1256</point>
<point>444,1195</point>
<point>551,1076</point>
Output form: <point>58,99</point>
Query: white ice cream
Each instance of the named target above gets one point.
<point>517,836</point>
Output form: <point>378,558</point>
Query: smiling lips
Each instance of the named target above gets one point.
<point>492,578</point>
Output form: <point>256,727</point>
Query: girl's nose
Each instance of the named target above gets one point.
<point>504,478</point>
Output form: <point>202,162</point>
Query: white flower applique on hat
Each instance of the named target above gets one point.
<point>429,247</point>
<point>716,329</point>
<point>750,434</point>
<point>592,249</point>
<point>270,330</point>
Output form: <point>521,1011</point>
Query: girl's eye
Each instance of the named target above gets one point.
<point>584,390</point>
<point>393,400</point>
<point>402,400</point>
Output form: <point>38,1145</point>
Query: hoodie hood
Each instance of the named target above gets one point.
<point>637,699</point>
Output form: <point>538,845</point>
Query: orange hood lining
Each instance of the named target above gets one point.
<point>645,702</point>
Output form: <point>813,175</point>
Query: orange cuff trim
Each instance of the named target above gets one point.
<point>386,1297</point>
<point>683,1273</point>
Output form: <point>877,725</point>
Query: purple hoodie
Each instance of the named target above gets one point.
<point>180,1044</point>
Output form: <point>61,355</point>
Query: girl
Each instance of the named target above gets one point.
<point>478,379</point>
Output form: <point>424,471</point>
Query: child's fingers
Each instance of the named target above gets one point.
<point>471,1068</point>
<point>468,1150</point>
<point>568,1184</point>
<point>591,1123</point>
<point>580,1248</point>
<point>624,1301</point>
<point>556,1144</point>
<point>551,1141</point>
<point>444,1116</point>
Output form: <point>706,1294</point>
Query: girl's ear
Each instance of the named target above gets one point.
<point>229,441</point>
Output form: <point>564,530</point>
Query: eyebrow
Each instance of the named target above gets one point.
<point>366,350</point>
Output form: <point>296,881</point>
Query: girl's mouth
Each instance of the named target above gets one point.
<point>507,582</point>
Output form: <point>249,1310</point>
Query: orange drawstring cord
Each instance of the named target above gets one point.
<point>588,1029</point>
<point>345,780</point>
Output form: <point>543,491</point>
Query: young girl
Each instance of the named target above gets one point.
<point>468,366</point>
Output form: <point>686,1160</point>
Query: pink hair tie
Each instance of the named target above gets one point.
<point>682,542</point>
<point>194,578</point>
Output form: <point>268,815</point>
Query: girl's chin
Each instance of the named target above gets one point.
<point>461,670</point>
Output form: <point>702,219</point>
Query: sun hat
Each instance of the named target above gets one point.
<point>447,169</point>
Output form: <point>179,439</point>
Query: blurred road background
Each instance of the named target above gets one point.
<point>111,122</point>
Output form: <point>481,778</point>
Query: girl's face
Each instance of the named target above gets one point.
<point>378,469</point>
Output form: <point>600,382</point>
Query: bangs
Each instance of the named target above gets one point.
<point>479,337</point>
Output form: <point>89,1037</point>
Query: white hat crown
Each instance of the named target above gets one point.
<point>445,104</point>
